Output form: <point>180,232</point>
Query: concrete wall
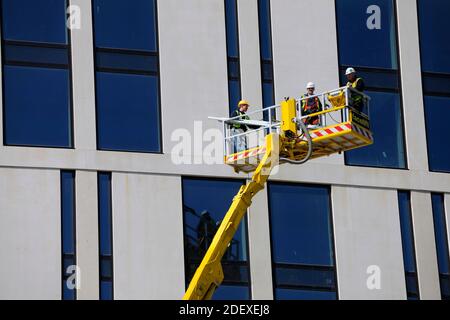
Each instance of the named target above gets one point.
<point>367,233</point>
<point>87,234</point>
<point>30,234</point>
<point>148,237</point>
<point>259,248</point>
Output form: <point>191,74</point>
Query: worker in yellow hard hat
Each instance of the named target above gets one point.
<point>240,142</point>
<point>356,83</point>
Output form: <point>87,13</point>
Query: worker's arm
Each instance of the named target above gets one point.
<point>209,274</point>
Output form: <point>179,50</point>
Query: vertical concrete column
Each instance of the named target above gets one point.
<point>425,245</point>
<point>259,246</point>
<point>30,234</point>
<point>413,107</point>
<point>148,237</point>
<point>87,234</point>
<point>83,80</point>
<point>305,49</point>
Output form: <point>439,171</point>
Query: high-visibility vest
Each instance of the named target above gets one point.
<point>244,116</point>
<point>356,97</point>
<point>310,104</point>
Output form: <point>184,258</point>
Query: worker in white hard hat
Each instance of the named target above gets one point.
<point>356,83</point>
<point>311,105</point>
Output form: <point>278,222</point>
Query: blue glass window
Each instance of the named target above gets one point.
<point>35,21</point>
<point>68,231</point>
<point>433,28</point>
<point>388,149</point>
<point>123,116</point>
<point>205,203</point>
<point>409,256</point>
<point>265,42</point>
<point>120,25</point>
<point>234,73</point>
<point>105,236</point>
<point>360,45</point>
<point>433,25</point>
<point>302,243</point>
<point>36,74</point>
<point>127,76</point>
<point>34,112</point>
<point>367,36</point>
<point>437,111</point>
<point>440,231</point>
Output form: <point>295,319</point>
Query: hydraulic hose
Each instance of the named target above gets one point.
<point>310,146</point>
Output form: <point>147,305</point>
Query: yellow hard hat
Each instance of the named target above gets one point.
<point>243,102</point>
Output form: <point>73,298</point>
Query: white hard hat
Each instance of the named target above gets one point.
<point>350,71</point>
<point>310,85</point>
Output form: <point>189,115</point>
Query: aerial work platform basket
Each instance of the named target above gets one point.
<point>341,128</point>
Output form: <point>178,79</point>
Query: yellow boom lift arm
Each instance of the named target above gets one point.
<point>282,146</point>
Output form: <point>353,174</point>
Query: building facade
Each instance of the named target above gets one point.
<point>97,94</point>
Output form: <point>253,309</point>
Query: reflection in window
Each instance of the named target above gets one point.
<point>105,236</point>
<point>440,232</point>
<point>36,74</point>
<point>409,256</point>
<point>68,233</point>
<point>372,51</point>
<point>302,244</point>
<point>205,203</point>
<point>388,149</point>
<point>127,76</point>
<point>433,29</point>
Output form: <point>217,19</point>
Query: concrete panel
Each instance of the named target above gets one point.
<point>30,234</point>
<point>249,52</point>
<point>447,216</point>
<point>87,234</point>
<point>305,49</point>
<point>83,81</point>
<point>148,237</point>
<point>413,108</point>
<point>193,58</point>
<point>259,248</point>
<point>312,172</point>
<point>425,244</point>
<point>367,233</point>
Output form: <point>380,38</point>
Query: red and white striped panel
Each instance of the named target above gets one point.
<point>246,154</point>
<point>328,131</point>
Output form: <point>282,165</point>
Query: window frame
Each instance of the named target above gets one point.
<point>111,239</point>
<point>426,93</point>
<point>245,218</point>
<point>68,67</point>
<point>74,229</point>
<point>128,72</point>
<point>274,264</point>
<point>230,59</point>
<point>399,91</point>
